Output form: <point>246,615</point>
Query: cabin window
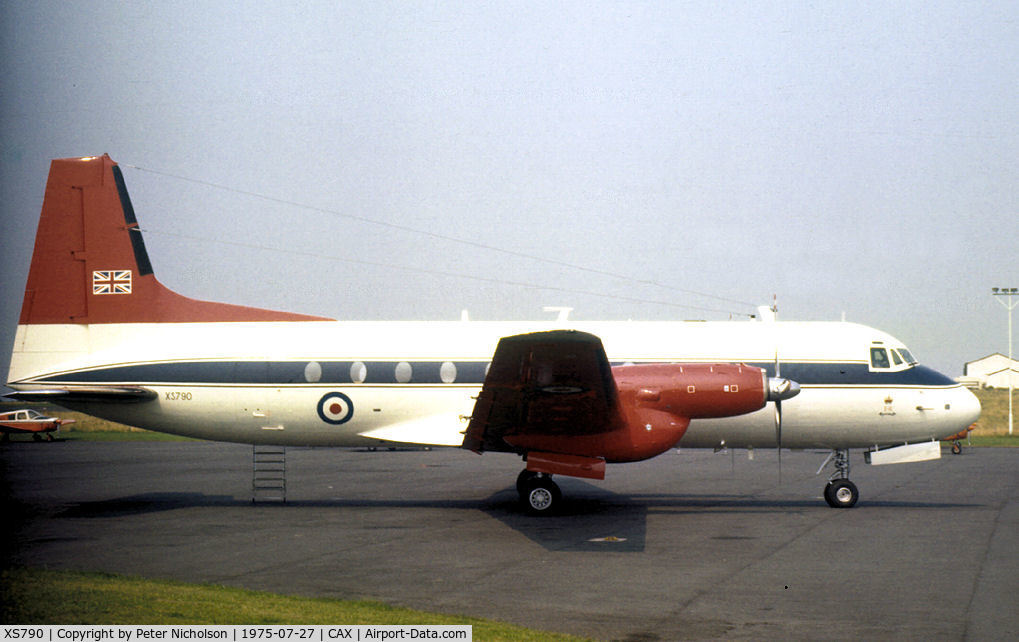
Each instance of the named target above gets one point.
<point>358,372</point>
<point>447,372</point>
<point>879,358</point>
<point>313,372</point>
<point>404,372</point>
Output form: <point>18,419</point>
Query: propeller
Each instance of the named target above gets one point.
<point>780,389</point>
<point>777,388</point>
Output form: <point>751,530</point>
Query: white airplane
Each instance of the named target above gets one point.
<point>98,333</point>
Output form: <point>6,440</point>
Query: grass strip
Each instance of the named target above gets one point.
<point>41,596</point>
<point>991,441</point>
<point>141,435</point>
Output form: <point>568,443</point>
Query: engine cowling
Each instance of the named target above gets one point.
<point>657,401</point>
<point>655,405</point>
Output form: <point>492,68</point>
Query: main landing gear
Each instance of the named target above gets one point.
<point>538,493</point>
<point>840,492</point>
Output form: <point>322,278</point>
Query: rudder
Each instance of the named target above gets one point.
<point>90,264</point>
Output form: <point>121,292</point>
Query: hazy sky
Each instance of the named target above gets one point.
<point>857,158</point>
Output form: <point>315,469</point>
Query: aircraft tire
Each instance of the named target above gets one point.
<point>956,448</point>
<point>541,496</point>
<point>523,479</point>
<point>841,493</point>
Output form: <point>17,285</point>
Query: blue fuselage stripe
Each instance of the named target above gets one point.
<point>431,372</point>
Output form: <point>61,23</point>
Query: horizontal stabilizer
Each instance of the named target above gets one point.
<point>87,394</point>
<point>436,430</point>
<point>906,454</point>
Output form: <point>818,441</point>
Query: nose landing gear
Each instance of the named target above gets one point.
<point>840,492</point>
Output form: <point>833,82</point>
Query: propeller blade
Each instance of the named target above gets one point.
<point>778,435</point>
<point>778,388</point>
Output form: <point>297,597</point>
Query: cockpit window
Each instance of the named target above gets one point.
<point>879,358</point>
<point>896,358</point>
<point>907,355</point>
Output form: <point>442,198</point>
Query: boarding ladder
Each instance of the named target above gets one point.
<point>268,473</point>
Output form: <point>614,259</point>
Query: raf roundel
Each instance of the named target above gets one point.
<point>335,408</point>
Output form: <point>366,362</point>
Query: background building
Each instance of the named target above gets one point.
<point>991,371</point>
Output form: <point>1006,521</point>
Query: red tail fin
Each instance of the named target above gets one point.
<point>90,263</point>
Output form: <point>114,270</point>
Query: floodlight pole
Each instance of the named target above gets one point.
<point>1009,292</point>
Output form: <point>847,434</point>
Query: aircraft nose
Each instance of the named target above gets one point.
<point>966,407</point>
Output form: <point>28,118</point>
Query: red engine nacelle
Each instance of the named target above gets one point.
<point>655,405</point>
<point>659,400</point>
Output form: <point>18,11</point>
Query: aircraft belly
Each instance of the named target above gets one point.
<point>293,415</point>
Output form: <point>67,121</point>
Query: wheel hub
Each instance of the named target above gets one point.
<point>540,498</point>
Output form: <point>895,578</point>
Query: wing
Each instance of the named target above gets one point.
<point>546,384</point>
<point>433,430</point>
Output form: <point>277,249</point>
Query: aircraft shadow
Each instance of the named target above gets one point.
<point>596,520</point>
<point>730,503</point>
<point>591,519</point>
<point>146,503</point>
